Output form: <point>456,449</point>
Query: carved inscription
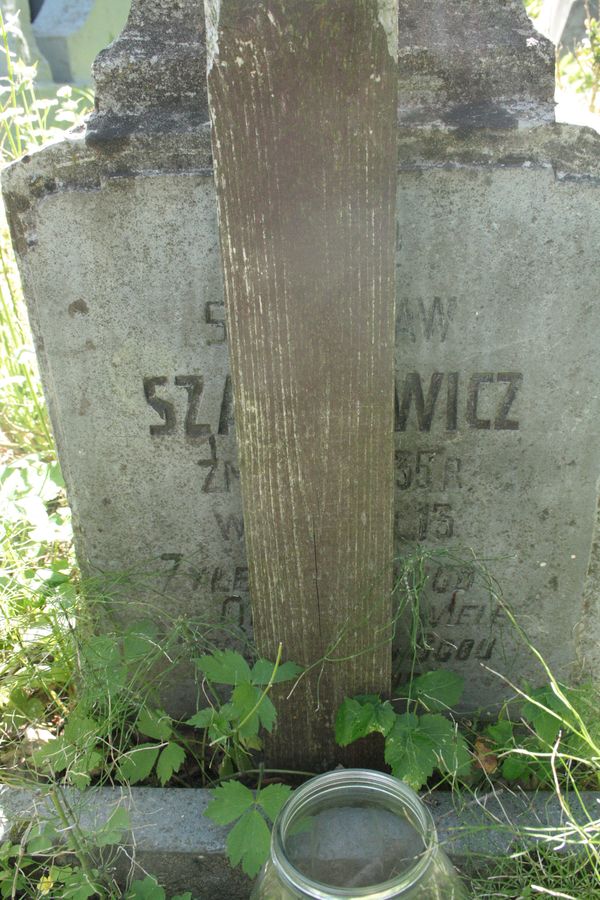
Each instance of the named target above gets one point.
<point>428,469</point>
<point>221,473</point>
<point>497,390</point>
<point>430,318</point>
<point>228,586</point>
<point>194,385</point>
<point>214,314</point>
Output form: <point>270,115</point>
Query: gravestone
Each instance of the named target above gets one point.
<point>21,39</point>
<point>563,21</point>
<point>71,33</point>
<point>497,444</point>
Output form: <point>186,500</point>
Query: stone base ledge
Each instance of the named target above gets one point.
<point>171,838</point>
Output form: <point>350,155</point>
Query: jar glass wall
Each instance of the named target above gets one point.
<point>354,833</point>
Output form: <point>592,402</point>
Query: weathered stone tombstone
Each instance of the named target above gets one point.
<point>496,436</point>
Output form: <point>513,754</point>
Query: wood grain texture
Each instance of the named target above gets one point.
<point>302,96</point>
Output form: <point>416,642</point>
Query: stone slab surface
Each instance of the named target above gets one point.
<point>497,448</point>
<point>171,839</point>
<point>497,405</point>
<point>498,445</point>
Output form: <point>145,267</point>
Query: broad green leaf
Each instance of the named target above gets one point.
<point>221,725</point>
<point>203,718</point>
<point>79,891</point>
<point>155,724</point>
<point>112,831</point>
<point>267,713</point>
<point>224,667</point>
<point>81,730</point>
<point>546,724</point>
<point>24,709</point>
<point>148,889</point>
<point>383,718</point>
<point>352,721</point>
<point>139,641</point>
<point>230,800</point>
<point>136,765</point>
<point>409,751</point>
<point>501,732</point>
<point>243,700</point>
<point>170,761</point>
<point>272,799</point>
<point>515,766</point>
<point>103,665</point>
<point>42,839</point>
<point>81,767</point>
<point>186,896</point>
<point>436,691</point>
<point>449,746</point>
<point>249,842</point>
<point>56,477</point>
<point>57,755</point>
<point>263,670</point>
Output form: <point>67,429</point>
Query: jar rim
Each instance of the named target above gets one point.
<point>373,784</point>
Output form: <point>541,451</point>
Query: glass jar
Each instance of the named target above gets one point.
<point>355,833</point>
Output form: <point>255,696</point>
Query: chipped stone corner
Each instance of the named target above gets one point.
<point>387,13</point>
<point>212,14</point>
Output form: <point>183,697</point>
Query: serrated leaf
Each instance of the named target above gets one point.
<point>224,667</point>
<point>203,718</point>
<point>352,721</point>
<point>243,700</point>
<point>449,746</point>
<point>263,670</point>
<point>230,800</point>
<point>249,842</point>
<point>56,755</point>
<point>155,724</point>
<point>148,889</point>
<point>515,767</point>
<point>136,765</point>
<point>82,765</point>
<point>170,761</point>
<point>272,799</point>
<point>42,839</point>
<point>501,732</point>
<point>546,724</point>
<point>267,713</point>
<point>139,640</point>
<point>359,716</point>
<point>81,730</point>
<point>436,691</point>
<point>409,751</point>
<point>112,831</point>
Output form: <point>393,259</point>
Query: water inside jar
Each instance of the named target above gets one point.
<point>358,844</point>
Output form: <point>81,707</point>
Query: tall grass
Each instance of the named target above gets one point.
<point>27,122</point>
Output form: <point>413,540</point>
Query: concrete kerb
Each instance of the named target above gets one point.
<point>171,838</point>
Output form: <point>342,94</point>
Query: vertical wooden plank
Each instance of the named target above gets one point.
<point>303,105</point>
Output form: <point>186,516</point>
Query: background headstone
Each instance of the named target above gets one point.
<point>63,37</point>
<point>497,367</point>
<point>21,39</point>
<point>563,21</point>
<point>71,33</point>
